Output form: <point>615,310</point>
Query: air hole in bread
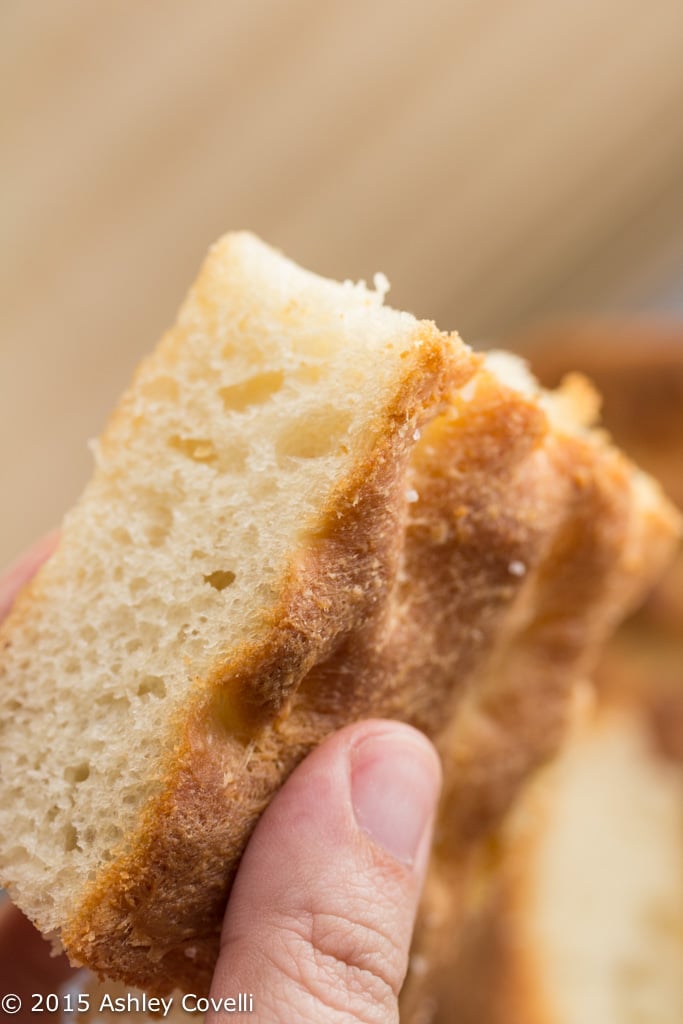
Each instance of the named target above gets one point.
<point>199,449</point>
<point>253,391</point>
<point>220,579</point>
<point>111,700</point>
<point>88,633</point>
<point>112,844</point>
<point>70,838</point>
<point>76,773</point>
<point>321,436</point>
<point>152,686</point>
<point>121,535</point>
<point>160,389</point>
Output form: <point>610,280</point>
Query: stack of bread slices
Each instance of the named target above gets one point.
<point>307,508</point>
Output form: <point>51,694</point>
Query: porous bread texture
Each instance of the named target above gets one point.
<point>581,919</point>
<point>280,407</point>
<point>385,577</point>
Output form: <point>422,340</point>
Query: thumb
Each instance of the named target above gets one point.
<point>320,919</point>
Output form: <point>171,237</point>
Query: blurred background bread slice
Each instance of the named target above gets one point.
<point>581,920</point>
<point>497,159</point>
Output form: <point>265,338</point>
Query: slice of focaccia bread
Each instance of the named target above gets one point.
<point>308,508</point>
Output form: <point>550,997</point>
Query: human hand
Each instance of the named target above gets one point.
<point>320,919</point>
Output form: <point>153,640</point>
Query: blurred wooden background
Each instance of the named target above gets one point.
<point>498,159</point>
